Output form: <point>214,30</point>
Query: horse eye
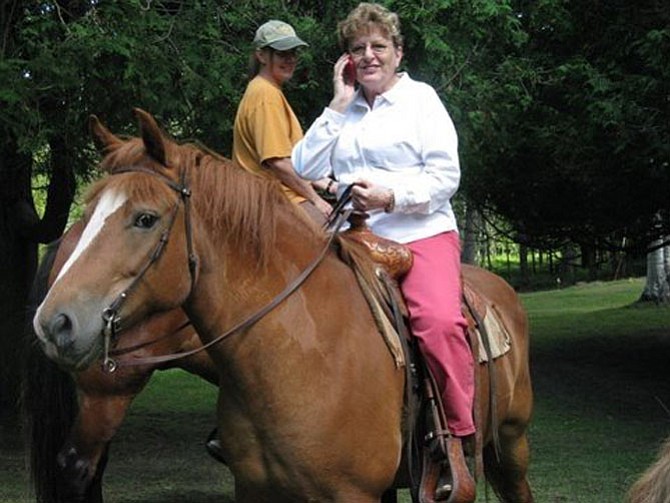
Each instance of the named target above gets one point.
<point>145,220</point>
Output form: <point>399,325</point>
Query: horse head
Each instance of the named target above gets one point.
<point>133,255</point>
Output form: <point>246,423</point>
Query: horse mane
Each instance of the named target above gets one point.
<point>654,484</point>
<point>240,208</point>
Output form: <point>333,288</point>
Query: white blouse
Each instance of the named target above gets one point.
<point>406,142</point>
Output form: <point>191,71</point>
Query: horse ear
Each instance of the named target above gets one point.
<point>103,138</point>
<point>153,138</point>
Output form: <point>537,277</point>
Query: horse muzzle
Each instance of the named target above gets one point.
<point>67,338</point>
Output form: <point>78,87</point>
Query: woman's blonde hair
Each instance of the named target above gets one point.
<point>366,17</point>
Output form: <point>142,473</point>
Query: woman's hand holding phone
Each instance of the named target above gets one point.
<point>344,78</point>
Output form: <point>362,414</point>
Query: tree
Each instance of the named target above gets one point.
<point>657,287</point>
<point>21,227</point>
<point>587,161</point>
<point>62,61</point>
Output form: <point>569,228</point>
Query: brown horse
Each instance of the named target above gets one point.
<point>311,401</point>
<point>653,486</point>
<point>69,436</point>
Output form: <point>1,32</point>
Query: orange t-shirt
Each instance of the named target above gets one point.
<point>265,127</point>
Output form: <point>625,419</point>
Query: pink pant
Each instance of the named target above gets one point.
<point>432,290</point>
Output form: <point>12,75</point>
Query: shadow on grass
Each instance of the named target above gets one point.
<point>602,394</point>
<point>608,373</point>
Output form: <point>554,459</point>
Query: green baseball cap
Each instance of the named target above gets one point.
<point>278,35</point>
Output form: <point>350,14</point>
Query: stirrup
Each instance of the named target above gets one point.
<point>444,489</point>
<point>446,476</point>
<point>455,483</point>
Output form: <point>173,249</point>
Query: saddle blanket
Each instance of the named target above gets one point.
<point>499,338</point>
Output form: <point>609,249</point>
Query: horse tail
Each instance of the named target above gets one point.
<point>49,403</point>
<point>654,484</point>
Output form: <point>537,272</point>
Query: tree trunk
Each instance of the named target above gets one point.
<point>589,260</point>
<point>657,288</point>
<point>22,230</point>
<point>18,258</point>
<point>523,265</point>
<point>470,236</point>
<point>566,267</point>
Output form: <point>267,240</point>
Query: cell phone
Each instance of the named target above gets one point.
<point>349,72</point>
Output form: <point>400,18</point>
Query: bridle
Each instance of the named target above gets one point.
<point>110,315</point>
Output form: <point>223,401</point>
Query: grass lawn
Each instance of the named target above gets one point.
<point>600,374</point>
<point>600,370</point>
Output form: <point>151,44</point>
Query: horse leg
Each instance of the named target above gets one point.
<point>82,459</point>
<point>508,477</point>
<point>94,492</point>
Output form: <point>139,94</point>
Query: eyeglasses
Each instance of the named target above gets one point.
<point>377,48</point>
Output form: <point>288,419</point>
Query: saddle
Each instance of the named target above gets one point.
<point>435,451</point>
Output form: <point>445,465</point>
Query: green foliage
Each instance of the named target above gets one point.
<point>586,161</point>
<point>561,108</point>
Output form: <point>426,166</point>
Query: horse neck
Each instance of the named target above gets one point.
<point>322,337</point>
<point>233,284</point>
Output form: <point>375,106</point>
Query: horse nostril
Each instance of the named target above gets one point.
<point>61,323</point>
<point>60,329</point>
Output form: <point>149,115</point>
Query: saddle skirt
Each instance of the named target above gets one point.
<point>490,338</point>
<point>493,338</point>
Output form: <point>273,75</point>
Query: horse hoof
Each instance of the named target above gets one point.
<point>213,447</point>
<point>74,474</point>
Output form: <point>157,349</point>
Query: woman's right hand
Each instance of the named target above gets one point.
<point>343,88</point>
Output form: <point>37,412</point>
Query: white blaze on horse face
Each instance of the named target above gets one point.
<point>109,202</point>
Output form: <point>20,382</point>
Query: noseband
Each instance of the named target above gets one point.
<point>110,314</point>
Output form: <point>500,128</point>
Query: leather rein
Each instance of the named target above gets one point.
<point>110,315</point>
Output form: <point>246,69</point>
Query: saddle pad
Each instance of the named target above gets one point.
<point>384,324</point>
<point>373,289</point>
<point>499,338</point>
